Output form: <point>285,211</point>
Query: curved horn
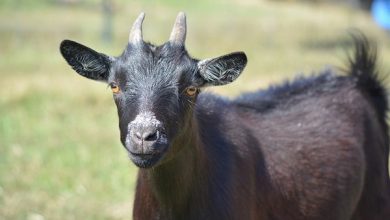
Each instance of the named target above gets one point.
<point>178,34</point>
<point>135,35</point>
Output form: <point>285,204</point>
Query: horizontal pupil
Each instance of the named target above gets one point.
<point>191,90</point>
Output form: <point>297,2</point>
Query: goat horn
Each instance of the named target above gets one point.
<point>135,35</point>
<point>178,34</point>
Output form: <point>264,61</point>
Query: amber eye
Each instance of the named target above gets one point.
<point>191,91</point>
<point>114,87</point>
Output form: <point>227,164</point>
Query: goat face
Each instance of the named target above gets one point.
<point>154,100</point>
<point>154,87</point>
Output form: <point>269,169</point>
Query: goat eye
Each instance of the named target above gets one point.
<point>114,87</point>
<point>191,91</point>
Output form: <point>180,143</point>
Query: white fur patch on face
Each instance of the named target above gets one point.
<point>145,118</point>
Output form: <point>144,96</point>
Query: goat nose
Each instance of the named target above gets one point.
<point>146,135</point>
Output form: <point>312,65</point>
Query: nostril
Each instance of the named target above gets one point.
<point>145,135</point>
<point>138,135</point>
<point>150,136</point>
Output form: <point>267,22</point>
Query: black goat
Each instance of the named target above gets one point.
<point>316,148</point>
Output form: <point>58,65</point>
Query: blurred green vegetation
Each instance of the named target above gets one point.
<point>60,155</point>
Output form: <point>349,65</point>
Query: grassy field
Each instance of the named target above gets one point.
<point>60,155</point>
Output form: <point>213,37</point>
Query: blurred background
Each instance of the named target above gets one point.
<point>60,155</point>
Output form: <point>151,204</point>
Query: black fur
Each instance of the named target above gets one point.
<point>315,148</point>
<point>86,61</point>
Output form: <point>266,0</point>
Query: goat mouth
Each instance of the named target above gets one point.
<point>151,153</point>
<point>145,160</point>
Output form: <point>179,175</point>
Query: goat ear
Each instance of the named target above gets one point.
<point>86,61</point>
<point>222,70</point>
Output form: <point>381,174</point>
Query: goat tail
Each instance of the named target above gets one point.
<point>363,67</point>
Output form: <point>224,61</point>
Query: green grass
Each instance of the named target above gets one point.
<point>60,155</point>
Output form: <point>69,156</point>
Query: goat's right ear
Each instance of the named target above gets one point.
<point>86,61</point>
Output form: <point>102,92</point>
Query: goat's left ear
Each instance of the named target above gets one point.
<point>222,70</point>
<point>86,61</point>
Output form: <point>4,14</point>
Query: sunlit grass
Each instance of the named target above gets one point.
<point>60,155</point>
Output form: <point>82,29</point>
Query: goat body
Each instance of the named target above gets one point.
<point>313,149</point>
<point>316,148</point>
